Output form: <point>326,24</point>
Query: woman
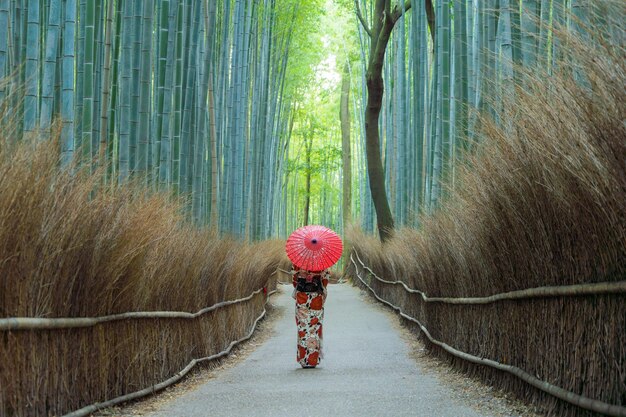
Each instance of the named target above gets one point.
<point>310,295</point>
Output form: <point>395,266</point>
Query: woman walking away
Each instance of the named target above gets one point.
<point>312,250</point>
<point>310,294</point>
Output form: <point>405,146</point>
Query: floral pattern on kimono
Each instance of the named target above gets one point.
<point>309,319</point>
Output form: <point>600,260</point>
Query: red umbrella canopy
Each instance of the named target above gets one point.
<point>314,247</point>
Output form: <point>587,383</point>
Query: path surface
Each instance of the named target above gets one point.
<point>366,371</point>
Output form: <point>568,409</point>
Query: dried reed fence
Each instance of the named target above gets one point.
<point>573,290</point>
<point>78,370</point>
<point>104,292</point>
<point>541,204</point>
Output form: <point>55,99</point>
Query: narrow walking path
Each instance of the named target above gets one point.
<point>366,371</point>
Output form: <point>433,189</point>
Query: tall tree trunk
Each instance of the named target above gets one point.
<point>374,161</point>
<point>384,20</point>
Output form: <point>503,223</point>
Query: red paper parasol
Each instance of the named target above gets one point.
<point>314,247</point>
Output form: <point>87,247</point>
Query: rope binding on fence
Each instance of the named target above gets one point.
<point>600,288</point>
<point>35,323</point>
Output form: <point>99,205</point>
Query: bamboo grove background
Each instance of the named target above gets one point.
<point>216,106</point>
<point>185,95</point>
<point>438,83</point>
<point>205,100</point>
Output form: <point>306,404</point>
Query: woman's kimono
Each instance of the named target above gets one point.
<point>309,318</point>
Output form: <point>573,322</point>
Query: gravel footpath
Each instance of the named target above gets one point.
<point>372,367</point>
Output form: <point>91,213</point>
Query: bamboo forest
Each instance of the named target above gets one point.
<point>157,155</point>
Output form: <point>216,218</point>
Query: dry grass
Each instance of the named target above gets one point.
<point>542,202</point>
<point>69,251</point>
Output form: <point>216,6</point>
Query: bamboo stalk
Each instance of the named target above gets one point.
<point>33,49</point>
<point>88,76</point>
<point>50,65</point>
<point>558,392</point>
<point>600,288</point>
<point>106,82</point>
<point>68,83</point>
<point>5,35</point>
